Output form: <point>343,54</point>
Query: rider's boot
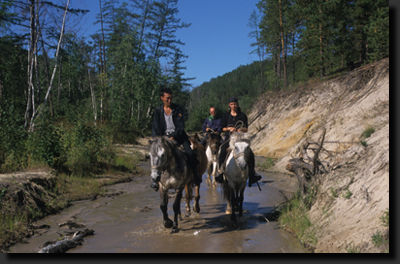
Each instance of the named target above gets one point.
<point>154,186</point>
<point>253,178</point>
<point>220,176</point>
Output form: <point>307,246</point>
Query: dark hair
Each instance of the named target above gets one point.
<point>165,90</point>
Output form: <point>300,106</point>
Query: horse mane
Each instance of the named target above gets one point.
<point>238,137</point>
<point>172,148</point>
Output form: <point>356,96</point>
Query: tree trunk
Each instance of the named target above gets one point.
<point>293,64</point>
<point>283,44</point>
<point>145,13</point>
<point>59,79</point>
<point>55,66</point>
<point>320,45</point>
<point>102,43</point>
<point>93,99</point>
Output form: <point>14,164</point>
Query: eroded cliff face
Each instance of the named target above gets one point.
<point>345,106</point>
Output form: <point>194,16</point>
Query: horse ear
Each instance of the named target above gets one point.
<point>196,137</point>
<point>151,141</point>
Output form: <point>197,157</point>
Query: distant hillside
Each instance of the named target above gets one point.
<point>244,83</point>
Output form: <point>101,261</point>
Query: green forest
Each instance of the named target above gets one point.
<point>65,100</point>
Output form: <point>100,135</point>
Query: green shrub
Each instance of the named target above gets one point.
<point>363,143</point>
<point>334,193</point>
<point>12,139</point>
<point>377,239</point>
<point>352,248</point>
<point>368,132</point>
<point>269,162</point>
<point>44,144</point>
<point>83,144</point>
<point>348,194</point>
<point>385,218</point>
<point>294,216</point>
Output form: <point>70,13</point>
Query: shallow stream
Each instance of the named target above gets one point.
<point>132,222</point>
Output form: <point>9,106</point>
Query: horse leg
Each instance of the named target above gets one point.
<point>196,205</point>
<point>188,191</point>
<point>241,198</point>
<point>209,169</point>
<point>164,208</point>
<point>233,206</point>
<point>177,208</point>
<point>214,174</point>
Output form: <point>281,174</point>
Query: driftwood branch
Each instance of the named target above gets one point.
<point>67,243</point>
<point>315,159</point>
<point>308,172</point>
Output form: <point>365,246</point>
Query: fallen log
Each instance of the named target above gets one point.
<point>67,243</point>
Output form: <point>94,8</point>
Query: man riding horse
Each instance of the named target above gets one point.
<point>169,121</point>
<point>211,124</point>
<point>231,121</point>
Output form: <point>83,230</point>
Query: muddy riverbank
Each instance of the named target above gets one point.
<point>132,222</point>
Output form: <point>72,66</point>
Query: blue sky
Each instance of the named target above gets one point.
<point>217,42</point>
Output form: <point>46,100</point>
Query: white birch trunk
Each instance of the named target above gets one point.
<point>55,66</point>
<point>93,99</point>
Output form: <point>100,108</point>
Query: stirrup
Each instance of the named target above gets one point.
<point>154,186</point>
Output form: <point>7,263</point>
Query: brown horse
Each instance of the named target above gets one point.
<point>201,168</point>
<point>212,149</point>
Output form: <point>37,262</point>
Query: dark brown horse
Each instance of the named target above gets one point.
<point>212,149</point>
<point>201,168</point>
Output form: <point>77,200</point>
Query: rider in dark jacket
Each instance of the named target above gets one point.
<point>211,124</point>
<point>174,128</point>
<point>159,125</point>
<point>235,120</point>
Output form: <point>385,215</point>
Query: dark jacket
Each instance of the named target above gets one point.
<point>227,120</point>
<point>159,125</point>
<point>214,124</point>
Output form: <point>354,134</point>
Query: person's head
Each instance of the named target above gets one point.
<point>233,104</point>
<point>213,111</point>
<point>166,96</point>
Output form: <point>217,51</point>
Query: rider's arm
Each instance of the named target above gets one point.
<point>156,128</point>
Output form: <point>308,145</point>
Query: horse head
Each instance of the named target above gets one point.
<point>240,146</point>
<point>196,137</point>
<point>160,153</point>
<point>214,142</point>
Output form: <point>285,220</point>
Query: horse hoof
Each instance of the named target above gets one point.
<point>187,214</point>
<point>174,230</point>
<point>228,212</point>
<point>196,208</point>
<point>168,223</point>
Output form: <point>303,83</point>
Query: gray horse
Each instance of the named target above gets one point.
<point>236,172</point>
<point>170,170</point>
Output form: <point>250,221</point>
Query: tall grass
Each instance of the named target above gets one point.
<point>294,217</point>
